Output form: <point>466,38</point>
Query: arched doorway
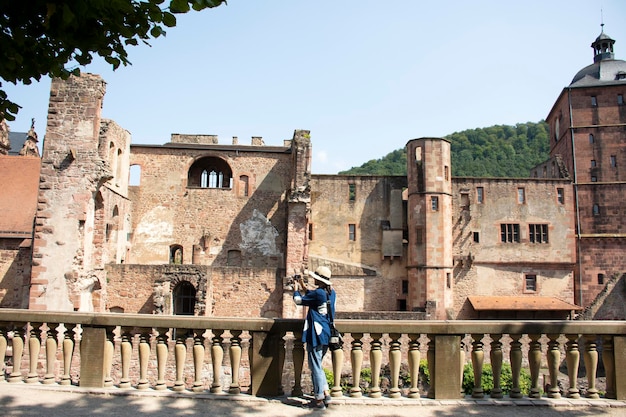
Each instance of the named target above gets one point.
<point>184,296</point>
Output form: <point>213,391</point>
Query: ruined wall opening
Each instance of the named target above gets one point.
<point>210,172</point>
<point>184,297</point>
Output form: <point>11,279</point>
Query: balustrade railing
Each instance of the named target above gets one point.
<point>148,351</point>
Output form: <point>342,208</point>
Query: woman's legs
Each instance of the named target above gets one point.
<point>318,377</point>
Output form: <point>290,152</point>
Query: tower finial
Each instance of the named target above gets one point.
<point>601,21</point>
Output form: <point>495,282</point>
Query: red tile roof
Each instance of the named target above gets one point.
<point>521,302</point>
<point>18,194</point>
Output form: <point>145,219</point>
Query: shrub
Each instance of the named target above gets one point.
<point>506,380</point>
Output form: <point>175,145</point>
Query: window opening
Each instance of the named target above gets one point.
<point>476,237</point>
<point>613,161</point>
<point>560,195</point>
<point>538,233</point>
<point>184,295</point>
<point>601,279</point>
<point>530,282</point>
<point>480,195</point>
<point>176,254</point>
<point>352,232</point>
<point>434,203</point>
<point>509,233</point>
<point>352,192</point>
<point>594,101</point>
<point>521,196</point>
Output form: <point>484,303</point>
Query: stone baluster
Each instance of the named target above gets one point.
<point>554,358</point>
<point>68,352</point>
<point>414,365</point>
<point>3,349</point>
<point>395,359</point>
<point>515,357</point>
<point>534,362</point>
<point>235,361</point>
<point>495,356</point>
<point>572,358</point>
<point>337,357</point>
<point>126,350</point>
<point>144,357</point>
<point>478,359</point>
<point>608,359</point>
<point>180,357</point>
<point>282,352</point>
<point>198,360</point>
<point>430,358</point>
<point>51,353</point>
<point>217,357</point>
<point>376,360</point>
<point>34,347</point>
<point>462,366</point>
<point>161,355</point>
<point>591,365</point>
<point>109,349</point>
<point>356,357</point>
<point>298,363</point>
<point>17,344</point>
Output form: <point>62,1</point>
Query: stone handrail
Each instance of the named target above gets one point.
<point>367,342</point>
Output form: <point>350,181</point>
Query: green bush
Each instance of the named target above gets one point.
<point>506,380</point>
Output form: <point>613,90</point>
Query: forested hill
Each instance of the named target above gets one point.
<point>496,151</point>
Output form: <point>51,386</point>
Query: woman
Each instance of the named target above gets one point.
<point>321,303</point>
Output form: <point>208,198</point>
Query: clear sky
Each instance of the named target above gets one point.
<point>363,76</point>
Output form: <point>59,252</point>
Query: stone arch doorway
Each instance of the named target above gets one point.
<point>184,299</point>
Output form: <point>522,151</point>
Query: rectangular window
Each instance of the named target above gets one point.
<point>613,161</point>
<point>445,172</point>
<point>591,139</point>
<point>352,232</point>
<point>310,231</point>
<point>596,210</point>
<point>594,101</point>
<point>509,233</point>
<point>593,163</point>
<point>405,286</point>
<point>594,178</point>
<point>538,233</point>
<point>600,279</point>
<point>434,203</point>
<point>480,195</point>
<point>476,237</point>
<point>401,305</point>
<point>620,99</point>
<point>521,196</point>
<point>530,282</point>
<point>352,192</point>
<point>560,195</point>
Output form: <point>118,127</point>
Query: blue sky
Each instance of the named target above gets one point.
<point>363,76</point>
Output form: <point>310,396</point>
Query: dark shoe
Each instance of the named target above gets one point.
<point>316,405</point>
<point>327,400</point>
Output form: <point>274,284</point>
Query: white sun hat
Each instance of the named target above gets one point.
<point>322,274</point>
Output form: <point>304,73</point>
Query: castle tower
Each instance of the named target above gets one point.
<point>429,208</point>
<point>77,221</point>
<point>587,124</point>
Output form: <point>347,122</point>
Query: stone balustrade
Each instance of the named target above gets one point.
<point>65,348</point>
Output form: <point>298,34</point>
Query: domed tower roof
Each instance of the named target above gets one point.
<point>605,68</point>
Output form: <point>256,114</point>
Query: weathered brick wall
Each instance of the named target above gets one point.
<point>230,291</point>
<point>167,212</point>
<point>14,273</point>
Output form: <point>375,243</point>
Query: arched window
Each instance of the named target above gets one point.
<point>184,295</point>
<point>210,172</point>
<point>176,254</point>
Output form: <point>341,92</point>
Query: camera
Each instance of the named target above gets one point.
<point>290,284</point>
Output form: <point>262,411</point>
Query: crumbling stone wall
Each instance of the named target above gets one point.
<point>76,207</point>
<point>14,272</point>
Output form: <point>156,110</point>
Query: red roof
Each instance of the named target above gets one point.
<point>522,302</point>
<point>18,194</point>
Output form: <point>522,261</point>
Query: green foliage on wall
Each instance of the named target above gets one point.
<point>499,151</point>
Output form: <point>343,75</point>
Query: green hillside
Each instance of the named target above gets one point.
<point>496,151</point>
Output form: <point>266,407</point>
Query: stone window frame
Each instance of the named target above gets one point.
<point>352,232</point>
<point>434,203</point>
<point>218,172</point>
<point>538,233</point>
<point>174,249</point>
<point>480,195</point>
<point>521,195</point>
<point>351,192</point>
<point>560,195</point>
<point>532,279</point>
<point>510,233</point>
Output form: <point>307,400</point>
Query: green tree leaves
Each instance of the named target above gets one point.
<point>54,37</point>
